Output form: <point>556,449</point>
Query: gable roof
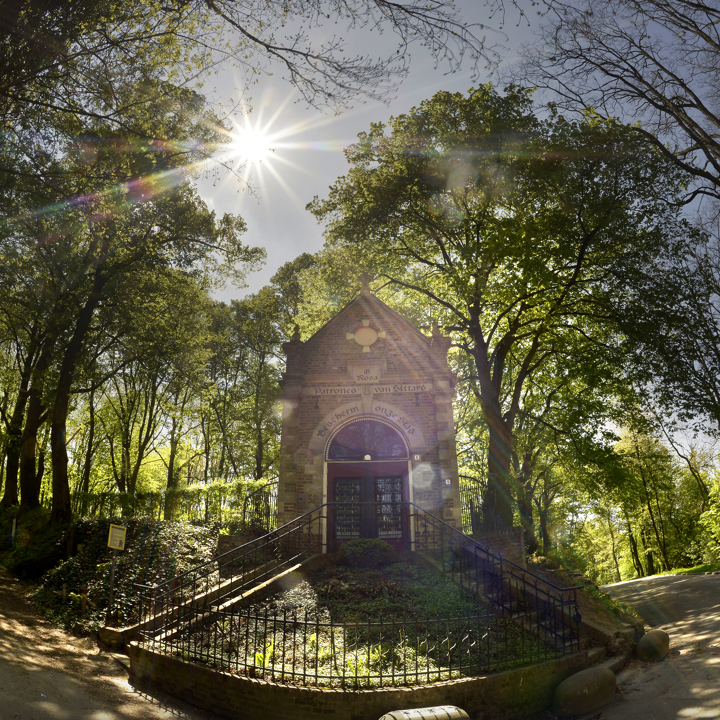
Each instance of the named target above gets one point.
<point>374,308</point>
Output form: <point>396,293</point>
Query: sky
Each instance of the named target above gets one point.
<point>308,144</point>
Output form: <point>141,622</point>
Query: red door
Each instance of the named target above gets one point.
<point>367,502</point>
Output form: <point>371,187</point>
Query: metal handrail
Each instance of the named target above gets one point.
<point>481,573</point>
<point>229,555</point>
<point>486,575</point>
<point>287,527</point>
<point>467,538</point>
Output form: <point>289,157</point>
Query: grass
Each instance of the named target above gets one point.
<point>708,567</point>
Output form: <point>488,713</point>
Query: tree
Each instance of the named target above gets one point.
<point>161,349</point>
<point>149,219</point>
<point>669,311</point>
<point>68,56</point>
<point>287,287</point>
<point>257,326</point>
<point>240,416</point>
<point>513,227</point>
<point>653,62</point>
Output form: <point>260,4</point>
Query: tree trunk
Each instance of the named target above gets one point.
<point>613,549</point>
<point>61,508</point>
<point>174,440</point>
<point>650,562</point>
<point>85,480</point>
<point>29,487</point>
<point>525,494</point>
<point>14,432</point>
<point>656,531</point>
<point>2,467</point>
<point>634,549</point>
<point>12,457</point>
<point>498,499</point>
<point>146,434</point>
<point>259,452</point>
<point>649,555</point>
<point>543,510</point>
<point>205,428</point>
<point>124,463</point>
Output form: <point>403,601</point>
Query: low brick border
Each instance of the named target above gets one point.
<point>509,694</point>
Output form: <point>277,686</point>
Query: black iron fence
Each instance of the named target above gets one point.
<point>471,494</point>
<point>195,615</point>
<point>260,508</point>
<point>509,588</point>
<point>298,649</point>
<point>167,606</point>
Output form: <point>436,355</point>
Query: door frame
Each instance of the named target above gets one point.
<point>367,468</point>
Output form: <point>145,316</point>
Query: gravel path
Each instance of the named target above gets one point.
<point>47,674</point>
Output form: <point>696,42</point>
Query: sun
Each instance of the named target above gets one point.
<point>249,146</point>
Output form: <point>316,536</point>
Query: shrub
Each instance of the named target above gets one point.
<point>371,553</point>
<point>154,552</point>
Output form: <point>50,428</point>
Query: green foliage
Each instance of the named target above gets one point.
<point>397,590</point>
<point>710,523</point>
<point>698,569</point>
<point>263,659</point>
<point>366,553</point>
<point>513,229</point>
<point>636,510</point>
<point>154,552</point>
<point>38,546</point>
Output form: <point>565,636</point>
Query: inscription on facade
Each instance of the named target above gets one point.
<point>400,420</point>
<point>335,391</point>
<point>338,417</point>
<point>366,389</point>
<point>400,388</point>
<point>366,373</point>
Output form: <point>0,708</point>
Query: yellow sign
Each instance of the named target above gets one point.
<point>116,538</point>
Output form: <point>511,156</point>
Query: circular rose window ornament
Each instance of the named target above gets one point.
<point>365,336</point>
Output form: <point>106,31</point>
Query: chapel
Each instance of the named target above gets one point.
<point>367,425</point>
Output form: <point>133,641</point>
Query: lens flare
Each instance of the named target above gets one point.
<point>249,145</point>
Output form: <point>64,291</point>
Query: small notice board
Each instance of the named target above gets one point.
<point>116,538</point>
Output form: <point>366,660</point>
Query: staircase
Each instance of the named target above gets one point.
<point>502,585</point>
<point>511,590</point>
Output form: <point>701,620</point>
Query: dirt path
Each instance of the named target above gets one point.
<point>47,674</point>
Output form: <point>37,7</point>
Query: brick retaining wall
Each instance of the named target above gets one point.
<point>507,695</point>
<point>508,543</point>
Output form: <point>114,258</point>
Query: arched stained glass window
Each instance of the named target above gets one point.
<point>359,439</point>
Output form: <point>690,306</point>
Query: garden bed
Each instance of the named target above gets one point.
<point>359,627</point>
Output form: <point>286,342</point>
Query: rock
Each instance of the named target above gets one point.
<point>585,691</point>
<point>653,646</point>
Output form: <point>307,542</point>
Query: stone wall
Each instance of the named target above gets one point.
<point>507,695</point>
<point>508,543</point>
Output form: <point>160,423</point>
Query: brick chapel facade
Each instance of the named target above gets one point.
<point>368,425</point>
